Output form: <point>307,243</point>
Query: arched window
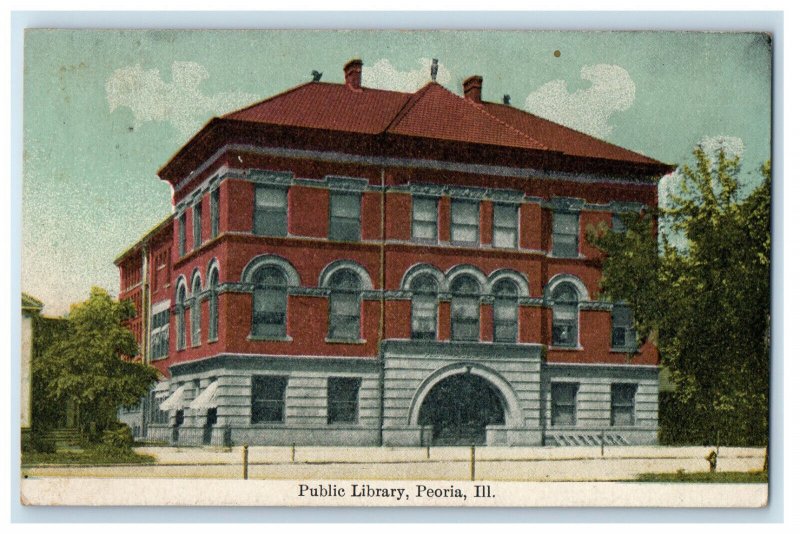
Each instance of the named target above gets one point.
<point>180,326</point>
<point>195,311</point>
<point>466,309</point>
<point>344,314</point>
<point>423,307</point>
<point>269,303</point>
<point>213,305</point>
<point>565,315</point>
<point>505,311</point>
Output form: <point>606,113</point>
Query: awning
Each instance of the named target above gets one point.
<point>175,401</point>
<point>207,399</point>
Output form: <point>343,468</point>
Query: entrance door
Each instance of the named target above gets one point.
<point>459,408</point>
<point>211,420</point>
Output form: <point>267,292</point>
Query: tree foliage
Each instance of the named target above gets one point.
<point>700,289</point>
<point>90,363</point>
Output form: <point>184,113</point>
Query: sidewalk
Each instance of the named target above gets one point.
<point>438,463</point>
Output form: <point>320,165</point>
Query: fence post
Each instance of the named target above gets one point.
<point>472,462</point>
<point>244,461</point>
<point>603,442</point>
<point>293,446</point>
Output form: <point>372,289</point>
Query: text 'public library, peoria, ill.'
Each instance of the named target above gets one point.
<point>353,266</point>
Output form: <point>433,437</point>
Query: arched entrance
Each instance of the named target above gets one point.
<point>459,408</point>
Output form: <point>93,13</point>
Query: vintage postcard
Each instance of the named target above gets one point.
<point>383,268</point>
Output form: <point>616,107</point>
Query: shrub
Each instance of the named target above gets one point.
<point>120,438</point>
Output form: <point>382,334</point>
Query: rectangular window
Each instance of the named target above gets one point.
<point>563,404</point>
<point>158,416</point>
<point>197,224</point>
<point>425,221</point>
<point>505,320</point>
<point>214,213</point>
<point>423,316</point>
<point>505,225</point>
<point>617,224</point>
<point>565,234</point>
<point>465,318</point>
<point>345,315</point>
<point>268,399</point>
<point>623,404</point>
<point>463,221</point>
<point>269,312</point>
<point>182,234</point>
<point>623,336</point>
<point>270,212</point>
<point>345,223</point>
<point>343,399</point>
<point>159,335</point>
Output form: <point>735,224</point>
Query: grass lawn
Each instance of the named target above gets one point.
<point>732,477</point>
<point>88,456</point>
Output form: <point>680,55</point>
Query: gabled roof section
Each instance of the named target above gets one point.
<point>561,138</point>
<point>327,106</point>
<point>437,113</point>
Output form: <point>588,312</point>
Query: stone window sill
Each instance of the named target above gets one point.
<point>283,339</point>
<point>346,341</point>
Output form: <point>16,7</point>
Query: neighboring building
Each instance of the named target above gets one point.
<point>31,309</point>
<point>353,266</point>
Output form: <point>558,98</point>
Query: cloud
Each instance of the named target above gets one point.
<point>612,90</point>
<point>180,102</point>
<point>384,75</point>
<point>670,184</point>
<point>733,146</point>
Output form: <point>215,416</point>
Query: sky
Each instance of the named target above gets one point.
<point>104,110</point>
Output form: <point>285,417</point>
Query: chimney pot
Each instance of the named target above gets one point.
<point>352,74</point>
<point>472,88</point>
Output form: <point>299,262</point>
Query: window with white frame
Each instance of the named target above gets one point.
<point>465,309</point>
<point>425,219</point>
<point>565,234</point>
<point>345,216</point>
<point>182,234</point>
<point>268,399</point>
<point>159,332</point>
<point>214,201</point>
<point>618,225</point>
<point>623,404</point>
<point>180,325</point>
<point>271,211</point>
<point>565,316</point>
<point>563,403</point>
<point>343,399</point>
<point>424,307</point>
<point>344,314</point>
<point>194,312</point>
<point>213,305</point>
<point>197,224</point>
<point>464,221</point>
<point>506,225</point>
<point>623,335</point>
<point>269,303</point>
<point>505,312</point>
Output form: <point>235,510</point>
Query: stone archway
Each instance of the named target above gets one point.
<point>460,407</point>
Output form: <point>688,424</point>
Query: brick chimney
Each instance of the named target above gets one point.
<point>352,74</point>
<point>472,88</point>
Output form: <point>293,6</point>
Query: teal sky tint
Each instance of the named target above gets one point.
<point>89,184</point>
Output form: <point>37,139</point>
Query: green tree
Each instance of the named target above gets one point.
<point>90,364</point>
<point>700,290</point>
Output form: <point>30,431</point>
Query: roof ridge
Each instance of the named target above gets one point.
<point>581,133</point>
<point>265,100</point>
<point>406,108</point>
<point>520,132</point>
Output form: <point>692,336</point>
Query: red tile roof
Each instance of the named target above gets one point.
<point>432,112</point>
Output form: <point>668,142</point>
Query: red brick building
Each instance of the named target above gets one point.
<point>353,266</point>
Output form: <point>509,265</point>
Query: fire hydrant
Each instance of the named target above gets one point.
<point>712,461</point>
